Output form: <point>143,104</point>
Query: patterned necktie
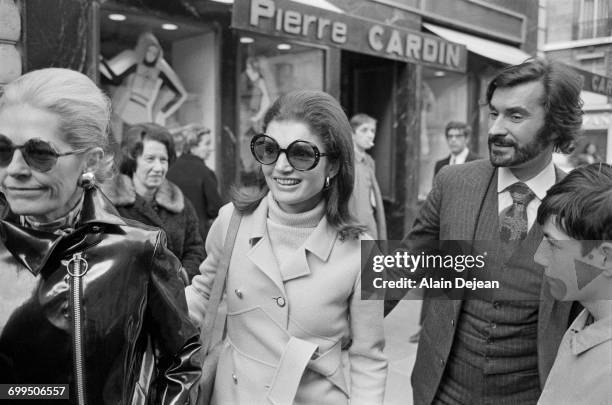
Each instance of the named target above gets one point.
<point>513,220</point>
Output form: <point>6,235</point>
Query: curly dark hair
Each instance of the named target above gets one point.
<point>561,100</point>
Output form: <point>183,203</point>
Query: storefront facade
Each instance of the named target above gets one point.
<point>414,65</point>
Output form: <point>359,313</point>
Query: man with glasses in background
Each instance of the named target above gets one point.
<point>457,137</point>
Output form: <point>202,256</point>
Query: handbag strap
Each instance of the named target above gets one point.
<point>212,309</point>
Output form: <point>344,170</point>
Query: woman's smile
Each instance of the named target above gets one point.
<point>287,182</point>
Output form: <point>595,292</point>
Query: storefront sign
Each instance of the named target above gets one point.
<point>595,83</point>
<point>283,18</point>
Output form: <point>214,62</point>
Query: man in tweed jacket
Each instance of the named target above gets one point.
<point>475,350</point>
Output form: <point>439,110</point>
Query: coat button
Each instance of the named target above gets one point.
<point>280,301</point>
<point>238,293</point>
<point>235,378</point>
<point>453,322</point>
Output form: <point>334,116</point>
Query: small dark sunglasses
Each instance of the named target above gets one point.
<point>301,155</point>
<point>38,154</point>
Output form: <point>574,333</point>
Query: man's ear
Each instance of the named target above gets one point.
<point>606,252</point>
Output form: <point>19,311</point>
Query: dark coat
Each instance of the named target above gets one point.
<point>444,162</point>
<point>199,184</point>
<point>131,293</point>
<point>169,211</point>
<point>462,205</point>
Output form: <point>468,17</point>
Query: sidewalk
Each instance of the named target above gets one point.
<point>401,323</point>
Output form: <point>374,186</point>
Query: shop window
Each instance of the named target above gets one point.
<point>444,98</point>
<point>158,70</point>
<point>269,69</point>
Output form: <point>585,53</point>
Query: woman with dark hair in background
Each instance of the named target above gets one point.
<point>143,193</point>
<point>294,284</point>
<point>83,292</point>
<point>195,179</point>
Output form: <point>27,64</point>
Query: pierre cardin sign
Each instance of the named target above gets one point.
<point>595,83</point>
<point>283,18</point>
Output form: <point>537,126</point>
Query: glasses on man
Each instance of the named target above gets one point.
<point>301,155</point>
<point>38,154</point>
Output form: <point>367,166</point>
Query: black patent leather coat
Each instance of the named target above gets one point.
<point>132,295</point>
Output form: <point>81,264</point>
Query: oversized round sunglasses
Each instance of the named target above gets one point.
<point>38,154</point>
<point>301,155</point>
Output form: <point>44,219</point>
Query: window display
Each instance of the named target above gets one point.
<point>157,69</point>
<point>149,90</point>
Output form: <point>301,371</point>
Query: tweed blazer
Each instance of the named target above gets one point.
<point>288,333</point>
<point>463,205</point>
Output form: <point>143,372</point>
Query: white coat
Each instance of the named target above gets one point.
<point>285,338</point>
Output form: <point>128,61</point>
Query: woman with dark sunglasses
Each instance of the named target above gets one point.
<point>295,315</point>
<point>86,297</point>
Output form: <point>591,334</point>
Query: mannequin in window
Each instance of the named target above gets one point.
<point>149,90</point>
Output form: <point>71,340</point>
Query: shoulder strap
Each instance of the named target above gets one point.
<point>216,292</point>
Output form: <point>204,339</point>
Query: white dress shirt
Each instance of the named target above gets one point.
<point>459,157</point>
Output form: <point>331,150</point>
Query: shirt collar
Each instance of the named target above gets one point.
<point>538,184</point>
<point>583,338</point>
<point>461,156</point>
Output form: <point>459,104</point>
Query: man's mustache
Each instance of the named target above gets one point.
<point>501,140</point>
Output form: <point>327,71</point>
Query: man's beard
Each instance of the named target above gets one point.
<point>521,154</point>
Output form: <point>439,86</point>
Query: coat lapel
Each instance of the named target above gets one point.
<point>261,254</point>
<point>319,243</point>
<point>486,218</point>
<point>480,219</point>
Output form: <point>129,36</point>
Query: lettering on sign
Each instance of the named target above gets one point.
<point>296,23</point>
<point>413,46</point>
<point>595,83</point>
<point>283,18</point>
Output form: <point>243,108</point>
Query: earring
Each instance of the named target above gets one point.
<point>327,181</point>
<point>87,180</point>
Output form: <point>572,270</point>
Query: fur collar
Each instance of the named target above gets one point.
<point>121,192</point>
